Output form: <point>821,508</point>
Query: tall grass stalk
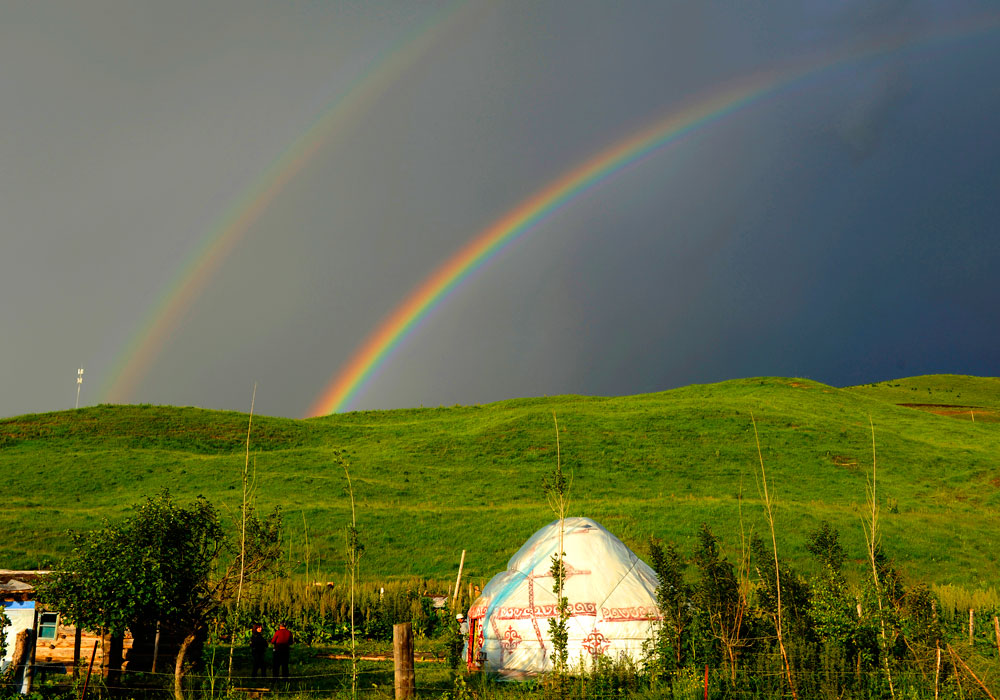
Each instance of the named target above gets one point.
<point>305,535</point>
<point>354,550</point>
<point>872,542</point>
<point>954,655</point>
<point>248,486</point>
<point>557,494</point>
<point>769,511</point>
<point>744,586</point>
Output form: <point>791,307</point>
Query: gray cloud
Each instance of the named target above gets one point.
<point>830,230</point>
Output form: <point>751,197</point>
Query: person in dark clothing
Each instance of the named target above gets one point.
<point>282,641</point>
<point>258,650</point>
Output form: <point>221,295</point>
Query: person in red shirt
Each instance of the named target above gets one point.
<point>282,641</point>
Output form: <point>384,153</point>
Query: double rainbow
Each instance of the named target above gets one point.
<point>525,217</point>
<point>179,295</point>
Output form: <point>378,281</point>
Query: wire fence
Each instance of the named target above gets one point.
<point>689,683</point>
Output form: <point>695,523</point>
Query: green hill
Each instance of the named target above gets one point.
<point>432,482</point>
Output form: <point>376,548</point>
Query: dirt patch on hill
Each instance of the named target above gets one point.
<point>851,463</point>
<point>987,415</point>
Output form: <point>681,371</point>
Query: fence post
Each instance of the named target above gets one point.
<point>458,582</point>
<point>972,639</point>
<point>402,655</point>
<point>996,629</point>
<point>937,671</point>
<point>77,642</point>
<point>156,648</point>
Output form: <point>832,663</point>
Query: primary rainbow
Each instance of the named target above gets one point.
<point>485,246</point>
<point>194,275</point>
<point>509,228</point>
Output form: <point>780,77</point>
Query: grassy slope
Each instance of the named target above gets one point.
<point>431,482</point>
<point>946,390</point>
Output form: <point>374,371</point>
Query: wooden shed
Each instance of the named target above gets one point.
<point>60,647</point>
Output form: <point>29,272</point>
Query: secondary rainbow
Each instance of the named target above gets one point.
<point>480,250</point>
<point>167,314</point>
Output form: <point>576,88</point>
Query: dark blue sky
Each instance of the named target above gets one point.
<point>843,229</point>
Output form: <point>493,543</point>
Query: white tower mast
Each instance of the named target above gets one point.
<point>79,383</point>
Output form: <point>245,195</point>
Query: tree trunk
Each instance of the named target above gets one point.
<point>179,666</point>
<point>112,646</point>
<point>77,642</point>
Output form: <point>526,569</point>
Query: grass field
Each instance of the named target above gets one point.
<point>431,482</point>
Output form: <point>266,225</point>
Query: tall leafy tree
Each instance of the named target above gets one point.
<point>166,561</point>
<point>674,600</point>
<point>833,606</point>
<point>795,598</point>
<point>718,599</point>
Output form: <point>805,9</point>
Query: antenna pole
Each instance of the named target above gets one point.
<point>79,383</point>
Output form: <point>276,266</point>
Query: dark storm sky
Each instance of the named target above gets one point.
<point>843,228</point>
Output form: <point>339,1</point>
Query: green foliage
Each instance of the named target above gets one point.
<point>154,565</point>
<point>824,544</point>
<point>919,623</point>
<point>459,691</point>
<point>354,546</point>
<point>613,677</point>
<point>454,643</point>
<point>432,477</point>
<point>831,629</point>
<point>833,608</point>
<point>674,599</point>
<point>556,489</point>
<point>795,592</point>
<point>655,464</point>
<point>824,672</point>
<point>558,627</point>
<point>555,486</point>
<point>320,615</point>
<point>720,606</point>
<point>160,563</point>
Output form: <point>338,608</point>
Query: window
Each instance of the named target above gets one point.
<point>48,625</point>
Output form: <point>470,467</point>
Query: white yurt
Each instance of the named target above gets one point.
<point>612,602</point>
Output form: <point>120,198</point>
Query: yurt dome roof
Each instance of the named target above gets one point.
<point>611,593</point>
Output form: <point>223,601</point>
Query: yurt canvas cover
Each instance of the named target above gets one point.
<point>612,602</point>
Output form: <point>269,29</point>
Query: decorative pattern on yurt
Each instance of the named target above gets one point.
<point>611,593</point>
